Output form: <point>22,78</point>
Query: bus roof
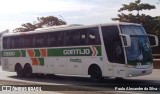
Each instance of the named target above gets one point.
<point>65,27</point>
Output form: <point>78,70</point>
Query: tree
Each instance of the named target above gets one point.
<point>42,22</point>
<point>137,5</point>
<point>146,20</point>
<point>26,27</point>
<point>151,24</point>
<point>49,21</point>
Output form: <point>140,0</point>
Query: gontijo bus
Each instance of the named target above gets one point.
<point>117,50</point>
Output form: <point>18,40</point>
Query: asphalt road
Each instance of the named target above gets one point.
<point>72,84</point>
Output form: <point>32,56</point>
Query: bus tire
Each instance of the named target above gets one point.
<point>19,70</point>
<point>95,73</point>
<point>27,71</point>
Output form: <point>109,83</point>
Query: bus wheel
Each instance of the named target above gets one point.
<point>19,70</point>
<point>27,71</point>
<point>95,73</point>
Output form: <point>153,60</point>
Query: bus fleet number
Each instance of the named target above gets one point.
<point>8,53</point>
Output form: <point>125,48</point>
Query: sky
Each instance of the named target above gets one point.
<point>13,13</point>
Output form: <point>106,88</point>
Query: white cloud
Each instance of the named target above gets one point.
<point>13,13</point>
<point>37,6</point>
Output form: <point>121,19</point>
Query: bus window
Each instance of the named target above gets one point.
<point>52,39</point>
<point>15,42</point>
<point>93,36</point>
<point>6,43</point>
<point>60,36</point>
<point>27,41</point>
<point>113,45</point>
<point>76,38</point>
<point>89,36</point>
<point>83,37</point>
<point>39,40</point>
<point>72,38</point>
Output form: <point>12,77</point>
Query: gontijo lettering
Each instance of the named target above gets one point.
<point>76,51</point>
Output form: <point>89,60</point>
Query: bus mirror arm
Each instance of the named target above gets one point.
<point>127,40</point>
<point>156,40</point>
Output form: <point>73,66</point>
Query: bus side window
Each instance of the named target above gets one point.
<point>39,40</point>
<point>52,39</point>
<point>60,38</point>
<point>93,36</point>
<point>68,38</point>
<point>113,45</point>
<point>16,42</point>
<point>76,38</point>
<point>83,37</point>
<point>6,43</point>
<point>27,41</point>
<point>118,51</point>
<point>72,38</point>
<point>12,41</point>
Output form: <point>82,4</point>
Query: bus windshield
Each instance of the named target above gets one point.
<point>140,50</point>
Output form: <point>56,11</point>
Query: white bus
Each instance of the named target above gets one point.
<point>117,50</point>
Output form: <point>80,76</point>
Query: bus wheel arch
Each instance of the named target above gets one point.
<point>19,70</point>
<point>27,70</point>
<point>95,72</point>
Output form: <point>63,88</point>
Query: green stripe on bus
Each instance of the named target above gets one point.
<point>17,53</point>
<point>99,50</point>
<point>23,53</point>
<point>54,52</point>
<point>14,53</point>
<point>37,52</point>
<point>41,61</point>
<point>77,51</point>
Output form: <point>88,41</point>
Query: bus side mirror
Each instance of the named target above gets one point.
<point>126,39</point>
<point>153,40</point>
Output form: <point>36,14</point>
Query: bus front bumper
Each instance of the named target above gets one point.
<point>132,72</point>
